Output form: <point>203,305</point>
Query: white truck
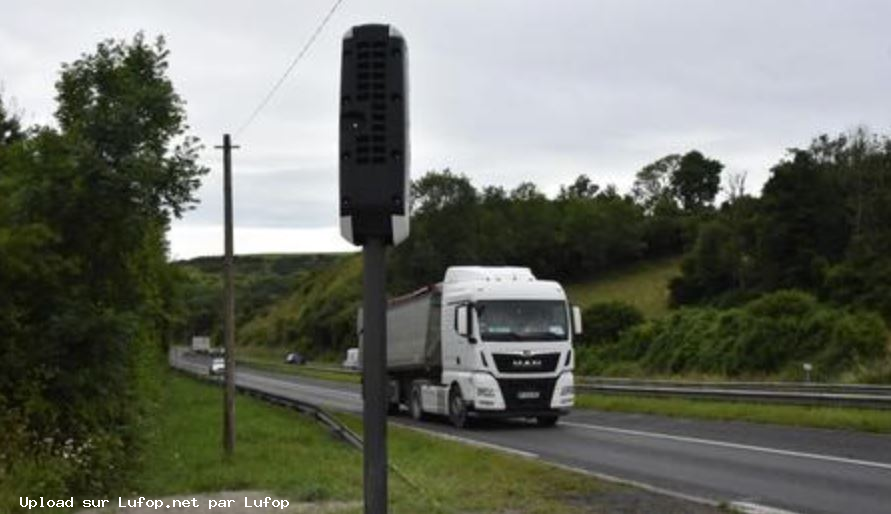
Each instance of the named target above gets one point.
<point>201,344</point>
<point>486,342</point>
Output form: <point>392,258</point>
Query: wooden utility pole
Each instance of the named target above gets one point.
<point>228,303</point>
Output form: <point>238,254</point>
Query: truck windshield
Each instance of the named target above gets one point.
<point>522,320</point>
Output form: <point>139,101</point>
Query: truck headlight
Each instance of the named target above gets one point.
<point>486,392</point>
<point>567,390</point>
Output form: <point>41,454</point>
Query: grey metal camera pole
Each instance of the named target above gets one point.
<point>374,379</point>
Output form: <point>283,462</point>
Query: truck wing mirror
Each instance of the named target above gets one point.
<point>576,320</point>
<point>464,322</point>
<point>461,320</point>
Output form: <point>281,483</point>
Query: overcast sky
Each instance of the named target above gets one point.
<point>502,91</point>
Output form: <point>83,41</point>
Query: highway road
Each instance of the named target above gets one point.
<point>744,464</point>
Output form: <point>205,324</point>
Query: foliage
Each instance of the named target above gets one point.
<point>318,317</point>
<point>260,281</point>
<point>652,184</point>
<point>696,181</point>
<point>88,297</point>
<point>605,321</point>
<point>10,126</point>
<point>582,232</point>
<point>770,336</point>
<point>820,225</point>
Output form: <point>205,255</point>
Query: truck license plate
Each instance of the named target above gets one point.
<point>528,395</point>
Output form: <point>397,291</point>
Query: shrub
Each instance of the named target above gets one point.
<point>606,321</point>
<point>768,336</point>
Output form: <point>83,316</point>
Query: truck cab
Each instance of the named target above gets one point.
<point>507,344</point>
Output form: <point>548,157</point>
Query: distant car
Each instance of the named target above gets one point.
<point>295,358</point>
<point>217,366</point>
<point>352,359</point>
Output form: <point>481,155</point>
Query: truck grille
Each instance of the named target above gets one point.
<point>527,394</point>
<point>513,363</point>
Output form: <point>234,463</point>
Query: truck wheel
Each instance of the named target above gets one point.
<point>392,409</point>
<point>546,421</point>
<point>414,404</point>
<point>457,408</point>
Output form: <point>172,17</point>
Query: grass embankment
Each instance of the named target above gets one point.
<point>288,454</point>
<point>866,420</point>
<point>643,285</point>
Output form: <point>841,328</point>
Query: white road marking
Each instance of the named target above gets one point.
<point>746,507</point>
<point>735,446</point>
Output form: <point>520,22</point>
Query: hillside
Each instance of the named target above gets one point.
<point>260,282</point>
<point>643,285</point>
<point>318,316</point>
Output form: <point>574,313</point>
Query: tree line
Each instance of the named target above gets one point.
<point>583,231</point>
<point>820,225</point>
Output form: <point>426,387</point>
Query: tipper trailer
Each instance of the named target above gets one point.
<point>486,342</point>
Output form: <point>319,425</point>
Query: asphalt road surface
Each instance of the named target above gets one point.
<point>796,469</point>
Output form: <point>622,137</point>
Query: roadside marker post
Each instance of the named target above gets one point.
<point>374,210</point>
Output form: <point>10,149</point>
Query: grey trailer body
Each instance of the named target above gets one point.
<point>413,332</point>
<point>414,344</point>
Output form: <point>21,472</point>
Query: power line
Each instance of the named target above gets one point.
<point>290,68</point>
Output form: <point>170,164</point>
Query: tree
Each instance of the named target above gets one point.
<point>10,126</point>
<point>439,190</point>
<point>525,192</point>
<point>652,184</point>
<point>580,189</point>
<point>121,105</point>
<point>804,226</point>
<point>87,289</point>
<point>696,181</point>
<point>735,185</point>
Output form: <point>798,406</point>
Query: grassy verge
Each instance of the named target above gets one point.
<point>283,452</point>
<point>644,285</point>
<point>867,420</point>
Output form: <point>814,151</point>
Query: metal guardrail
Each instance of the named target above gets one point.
<point>810,387</point>
<point>318,413</point>
<point>839,395</point>
<point>795,393</point>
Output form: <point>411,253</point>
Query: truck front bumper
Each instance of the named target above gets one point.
<point>507,396</point>
<point>523,413</point>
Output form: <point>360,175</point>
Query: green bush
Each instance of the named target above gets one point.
<point>772,335</point>
<point>606,321</point>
